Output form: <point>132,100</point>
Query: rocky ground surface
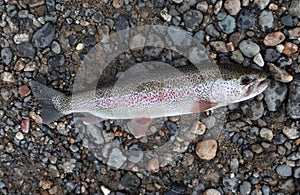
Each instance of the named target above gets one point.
<point>250,147</point>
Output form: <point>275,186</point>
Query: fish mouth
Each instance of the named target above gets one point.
<point>259,86</point>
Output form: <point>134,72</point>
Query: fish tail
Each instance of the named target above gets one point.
<point>50,101</point>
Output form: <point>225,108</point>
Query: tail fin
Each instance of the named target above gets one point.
<point>44,95</point>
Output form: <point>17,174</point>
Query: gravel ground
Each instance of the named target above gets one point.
<point>250,147</point>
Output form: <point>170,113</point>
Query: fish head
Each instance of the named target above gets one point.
<point>238,83</point>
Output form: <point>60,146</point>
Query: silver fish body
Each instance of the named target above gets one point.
<point>158,92</point>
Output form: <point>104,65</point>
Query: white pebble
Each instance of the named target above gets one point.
<point>79,46</point>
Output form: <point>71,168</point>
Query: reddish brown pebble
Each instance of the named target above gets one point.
<point>290,48</point>
<point>117,3</point>
<point>25,124</point>
<point>24,90</point>
<point>274,38</point>
<point>207,149</point>
<point>230,46</point>
<point>153,165</point>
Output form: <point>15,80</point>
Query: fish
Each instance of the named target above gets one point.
<point>158,91</point>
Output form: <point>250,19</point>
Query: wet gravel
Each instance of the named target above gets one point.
<point>250,147</point>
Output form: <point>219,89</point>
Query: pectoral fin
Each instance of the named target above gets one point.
<point>139,126</point>
<point>201,106</point>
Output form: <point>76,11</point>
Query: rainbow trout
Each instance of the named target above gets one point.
<point>157,92</point>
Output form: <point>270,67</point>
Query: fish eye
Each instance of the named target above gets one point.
<point>246,80</point>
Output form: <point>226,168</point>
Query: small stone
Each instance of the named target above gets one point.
<point>284,170</point>
<point>247,155</point>
<point>230,46</point>
<point>237,56</point>
<point>258,59</point>
<point>262,4</point>
<point>245,187</point>
<point>45,184</point>
<point>25,125</point>
<point>288,186</point>
<point>19,136</point>
<point>105,190</point>
<point>228,24</point>
<point>137,41</point>
<point>231,183</point>
<point>53,190</point>
<point>279,74</point>
<point>6,55</point>
<point>280,48</point>
<point>266,134</point>
<point>246,19</point>
<point>116,158</point>
<point>172,127</point>
<point>288,20</point>
<point>26,50</point>
<point>207,149</point>
<point>24,90</point>
<point>130,180</point>
<point>290,48</point>
<point>294,33</point>
<point>21,38</point>
<point>297,172</point>
<point>19,65</point>
<point>293,108</point>
<point>153,165</point>
<point>36,3</point>
<point>273,7</point>
<point>117,3</point>
<point>249,48</point>
<point>294,8</point>
<point>44,36</point>
<point>68,167</point>
<point>234,165</point>
<point>202,6</point>
<point>274,95</point>
<point>7,77</point>
<point>266,20</point>
<point>274,38</point>
<point>165,15</point>
<point>56,61</point>
<point>79,46</point>
<point>271,55</point>
<point>253,109</point>
<point>212,31</point>
<point>291,132</point>
<point>232,6</point>
<point>2,185</point>
<point>192,19</point>
<point>219,46</point>
<point>211,192</point>
<point>55,47</point>
<point>279,139</point>
<point>236,38</point>
<point>198,128</point>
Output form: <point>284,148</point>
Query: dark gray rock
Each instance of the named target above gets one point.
<point>293,106</point>
<point>228,24</point>
<point>231,183</point>
<point>246,19</point>
<point>212,31</point>
<point>192,19</point>
<point>253,109</point>
<point>271,55</point>
<point>44,36</point>
<point>288,20</point>
<point>274,95</point>
<point>55,61</point>
<point>6,55</point>
<point>130,181</point>
<point>284,170</point>
<point>26,50</point>
<point>245,187</point>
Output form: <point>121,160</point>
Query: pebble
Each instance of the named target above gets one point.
<point>2,185</point>
<point>266,134</point>
<point>232,6</point>
<point>68,167</point>
<point>279,139</point>
<point>249,48</point>
<point>274,95</point>
<point>245,187</point>
<point>228,24</point>
<point>247,155</point>
<point>212,31</point>
<point>25,125</point>
<point>117,3</point>
<point>57,60</point>
<point>231,183</point>
<point>297,172</point>
<point>7,77</point>
<point>165,15</point>
<point>262,4</point>
<point>253,109</point>
<point>211,192</point>
<point>130,180</point>
<point>55,47</point>
<point>26,50</point>
<point>21,38</point>
<point>116,158</point>
<point>246,19</point>
<point>279,74</point>
<point>266,20</point>
<point>258,59</point>
<point>291,132</point>
<point>79,46</point>
<point>44,36</point>
<point>6,55</point>
<point>290,48</point>
<point>219,46</point>
<point>284,170</point>
<point>24,90</point>
<point>192,19</point>
<point>274,38</point>
<point>198,128</point>
<point>289,21</point>
<point>105,190</point>
<point>294,8</point>
<point>19,136</point>
<point>294,33</point>
<point>172,127</point>
<point>293,108</point>
<point>237,56</point>
<point>202,6</point>
<point>271,55</point>
<point>207,149</point>
<point>280,48</point>
<point>234,165</point>
<point>287,186</point>
<point>153,165</point>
